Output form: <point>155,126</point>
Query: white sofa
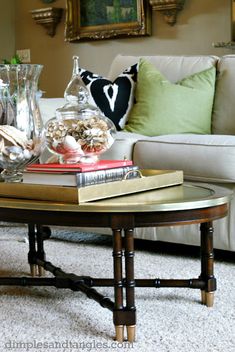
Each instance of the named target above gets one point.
<point>203,158</point>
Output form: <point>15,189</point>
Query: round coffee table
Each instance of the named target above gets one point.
<point>178,205</point>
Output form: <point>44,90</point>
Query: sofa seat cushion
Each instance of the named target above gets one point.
<point>123,145</point>
<point>209,158</point>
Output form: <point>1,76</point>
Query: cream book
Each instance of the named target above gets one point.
<point>151,179</point>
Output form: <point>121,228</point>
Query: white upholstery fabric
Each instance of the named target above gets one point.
<point>223,118</point>
<point>174,68</point>
<point>123,146</point>
<point>189,234</point>
<point>209,158</point>
<point>48,107</point>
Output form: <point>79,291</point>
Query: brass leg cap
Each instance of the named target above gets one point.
<point>131,333</point>
<point>33,270</point>
<point>119,329</point>
<point>41,271</point>
<point>203,297</point>
<point>210,299</point>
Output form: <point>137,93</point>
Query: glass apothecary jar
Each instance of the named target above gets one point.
<point>79,132</point>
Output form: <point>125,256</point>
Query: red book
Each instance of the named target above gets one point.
<point>80,167</point>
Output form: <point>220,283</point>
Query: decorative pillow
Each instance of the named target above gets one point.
<point>115,99</point>
<point>166,108</point>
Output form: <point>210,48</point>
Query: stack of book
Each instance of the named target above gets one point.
<point>78,183</point>
<point>80,175</point>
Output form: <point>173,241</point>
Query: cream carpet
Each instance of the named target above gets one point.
<point>39,319</point>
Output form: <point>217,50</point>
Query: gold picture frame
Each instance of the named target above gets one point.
<point>96,20</point>
<point>233,20</point>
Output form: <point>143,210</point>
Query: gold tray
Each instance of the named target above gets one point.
<point>151,179</point>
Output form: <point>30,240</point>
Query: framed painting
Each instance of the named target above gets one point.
<point>233,20</point>
<point>95,19</point>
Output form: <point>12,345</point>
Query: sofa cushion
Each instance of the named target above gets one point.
<point>113,98</point>
<point>209,158</point>
<point>123,145</point>
<point>173,67</point>
<point>223,118</point>
<point>163,107</point>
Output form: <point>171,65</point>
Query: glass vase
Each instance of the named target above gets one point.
<point>79,132</point>
<point>20,119</point>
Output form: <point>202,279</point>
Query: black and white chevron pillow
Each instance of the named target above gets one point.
<point>114,99</point>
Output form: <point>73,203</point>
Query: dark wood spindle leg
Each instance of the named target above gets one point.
<point>207,264</point>
<point>130,284</point>
<point>118,285</point>
<point>32,249</point>
<point>40,248</point>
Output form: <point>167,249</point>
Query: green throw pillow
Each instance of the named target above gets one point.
<point>163,107</point>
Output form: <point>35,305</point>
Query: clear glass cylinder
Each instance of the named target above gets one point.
<point>20,120</point>
<point>79,132</point>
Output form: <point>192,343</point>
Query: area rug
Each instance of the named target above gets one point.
<point>44,319</point>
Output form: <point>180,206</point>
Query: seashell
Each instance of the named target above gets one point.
<point>93,132</point>
<point>14,149</point>
<point>12,136</point>
<point>56,131</point>
<point>6,139</point>
<point>2,145</point>
<point>27,154</point>
<point>31,144</point>
<point>13,153</point>
<point>70,145</point>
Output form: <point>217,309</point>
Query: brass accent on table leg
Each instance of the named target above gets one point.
<point>203,297</point>
<point>119,329</point>
<point>209,299</point>
<point>130,333</point>
<point>41,271</point>
<point>33,270</point>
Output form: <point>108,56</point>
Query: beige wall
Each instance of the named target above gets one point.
<point>7,29</point>
<point>199,25</point>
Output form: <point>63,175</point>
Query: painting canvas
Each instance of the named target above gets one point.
<point>95,19</point>
<point>95,12</point>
